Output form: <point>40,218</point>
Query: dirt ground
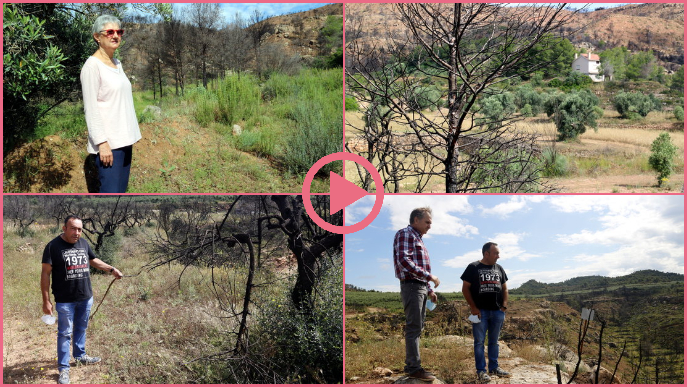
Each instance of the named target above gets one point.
<point>29,355</point>
<point>55,165</point>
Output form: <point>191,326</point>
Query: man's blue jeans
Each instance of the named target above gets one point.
<point>491,322</point>
<point>72,321</point>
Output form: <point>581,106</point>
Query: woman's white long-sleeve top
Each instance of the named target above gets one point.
<point>109,106</point>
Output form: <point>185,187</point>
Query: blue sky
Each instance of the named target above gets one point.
<point>549,238</point>
<point>229,10</point>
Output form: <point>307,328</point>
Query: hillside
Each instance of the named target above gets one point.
<point>301,33</point>
<point>644,314</point>
<point>639,27</point>
<point>639,278</point>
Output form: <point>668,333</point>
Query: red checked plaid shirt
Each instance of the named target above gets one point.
<point>411,259</point>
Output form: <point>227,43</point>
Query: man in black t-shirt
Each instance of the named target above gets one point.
<point>67,260</point>
<point>484,288</point>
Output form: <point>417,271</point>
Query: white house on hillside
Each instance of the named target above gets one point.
<point>588,64</point>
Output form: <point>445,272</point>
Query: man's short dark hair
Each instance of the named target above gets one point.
<point>70,217</point>
<point>487,247</point>
<point>420,213</point>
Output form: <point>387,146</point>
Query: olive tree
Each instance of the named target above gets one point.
<point>573,112</point>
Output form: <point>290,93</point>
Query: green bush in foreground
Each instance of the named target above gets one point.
<point>316,136</point>
<point>661,159</point>
<point>307,345</point>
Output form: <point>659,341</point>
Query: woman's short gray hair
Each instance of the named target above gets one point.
<point>99,23</point>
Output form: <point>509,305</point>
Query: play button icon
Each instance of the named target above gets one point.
<point>343,193</point>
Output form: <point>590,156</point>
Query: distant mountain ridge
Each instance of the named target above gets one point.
<point>534,287</point>
<point>639,27</point>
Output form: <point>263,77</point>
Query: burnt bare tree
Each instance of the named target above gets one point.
<point>235,39</point>
<point>257,29</point>
<point>245,234</point>
<point>474,49</point>
<point>175,39</point>
<point>18,209</point>
<point>205,18</point>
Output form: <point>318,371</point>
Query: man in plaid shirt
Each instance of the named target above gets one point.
<point>411,263</point>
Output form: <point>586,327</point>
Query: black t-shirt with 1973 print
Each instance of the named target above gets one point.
<point>71,279</point>
<point>486,284</point>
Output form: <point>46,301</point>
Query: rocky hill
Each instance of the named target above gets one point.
<point>639,27</point>
<point>301,32</point>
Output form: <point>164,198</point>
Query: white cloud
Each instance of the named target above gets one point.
<point>650,254</point>
<point>385,264</point>
<point>509,247</point>
<point>625,220</point>
<point>516,203</point>
<point>359,210</point>
<point>443,222</point>
<point>462,261</point>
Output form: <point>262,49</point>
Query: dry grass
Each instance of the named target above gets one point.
<point>613,158</point>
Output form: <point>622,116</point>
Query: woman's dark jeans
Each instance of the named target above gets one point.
<point>115,178</point>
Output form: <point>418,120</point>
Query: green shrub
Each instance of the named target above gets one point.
<point>526,95</point>
<point>527,110</point>
<point>496,108</point>
<point>538,79</point>
<point>661,159</point>
<point>425,97</point>
<point>573,112</point>
<point>679,113</point>
<point>633,105</point>
<point>555,163</point>
<point>238,98</point>
<point>278,86</point>
<point>555,83</point>
<point>108,250</point>
<point>351,104</point>
<point>260,142</point>
<point>307,345</point>
<point>317,134</point>
<point>206,108</point>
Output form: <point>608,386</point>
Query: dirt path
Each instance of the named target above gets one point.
<point>522,371</point>
<point>29,355</point>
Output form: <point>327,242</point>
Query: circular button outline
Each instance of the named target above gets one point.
<point>379,194</point>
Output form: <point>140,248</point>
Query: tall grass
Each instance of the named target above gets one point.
<point>295,119</point>
<point>238,98</point>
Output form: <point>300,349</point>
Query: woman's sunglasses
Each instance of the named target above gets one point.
<point>110,33</point>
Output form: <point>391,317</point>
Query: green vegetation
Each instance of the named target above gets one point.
<point>634,105</point>
<point>573,112</point>
<point>496,108</point>
<point>662,155</point>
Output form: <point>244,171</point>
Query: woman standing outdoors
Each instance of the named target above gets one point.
<point>109,108</point>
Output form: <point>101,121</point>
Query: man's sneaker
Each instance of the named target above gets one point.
<point>88,360</point>
<point>64,377</point>
<point>500,373</point>
<point>423,375</point>
<point>483,377</point>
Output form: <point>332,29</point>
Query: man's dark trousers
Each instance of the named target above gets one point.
<point>413,295</point>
